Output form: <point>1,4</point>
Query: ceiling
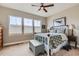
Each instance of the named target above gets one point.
<point>26,7</point>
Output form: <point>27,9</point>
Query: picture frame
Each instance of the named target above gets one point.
<point>43,26</point>
<point>60,21</point>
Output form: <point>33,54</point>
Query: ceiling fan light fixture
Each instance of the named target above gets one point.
<point>43,6</point>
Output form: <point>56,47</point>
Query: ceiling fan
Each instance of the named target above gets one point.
<point>43,6</point>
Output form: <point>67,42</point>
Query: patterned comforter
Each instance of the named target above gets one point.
<point>55,41</point>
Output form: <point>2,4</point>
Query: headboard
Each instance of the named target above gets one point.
<point>59,29</point>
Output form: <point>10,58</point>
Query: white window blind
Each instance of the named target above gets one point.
<point>15,25</point>
<point>28,25</point>
<point>37,26</point>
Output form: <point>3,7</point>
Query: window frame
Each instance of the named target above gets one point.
<point>22,25</point>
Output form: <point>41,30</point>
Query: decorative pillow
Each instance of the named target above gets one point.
<point>59,29</point>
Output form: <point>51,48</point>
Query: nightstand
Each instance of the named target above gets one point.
<point>72,39</point>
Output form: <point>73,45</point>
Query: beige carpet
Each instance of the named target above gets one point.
<point>23,50</point>
<point>16,50</point>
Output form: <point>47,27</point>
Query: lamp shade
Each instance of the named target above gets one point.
<point>70,27</point>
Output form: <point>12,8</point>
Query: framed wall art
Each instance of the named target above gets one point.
<point>60,21</point>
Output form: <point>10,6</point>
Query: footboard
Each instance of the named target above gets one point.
<point>43,38</point>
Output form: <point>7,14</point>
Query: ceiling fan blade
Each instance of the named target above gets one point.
<point>35,5</point>
<point>49,5</point>
<point>44,9</point>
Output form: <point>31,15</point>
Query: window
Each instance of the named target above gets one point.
<point>28,25</point>
<point>25,25</point>
<point>15,20</point>
<point>15,25</point>
<point>37,26</point>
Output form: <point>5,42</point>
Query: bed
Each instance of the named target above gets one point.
<point>52,41</point>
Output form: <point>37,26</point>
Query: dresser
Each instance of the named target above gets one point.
<point>1,37</point>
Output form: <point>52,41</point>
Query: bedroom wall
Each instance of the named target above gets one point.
<point>4,20</point>
<point>71,14</point>
<point>72,17</point>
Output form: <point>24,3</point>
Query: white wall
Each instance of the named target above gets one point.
<point>4,20</point>
<point>71,14</point>
<point>72,17</point>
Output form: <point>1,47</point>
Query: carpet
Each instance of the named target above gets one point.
<point>23,50</point>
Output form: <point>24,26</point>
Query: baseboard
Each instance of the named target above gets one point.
<point>13,43</point>
<point>25,41</point>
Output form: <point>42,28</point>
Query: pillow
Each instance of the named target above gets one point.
<point>60,29</point>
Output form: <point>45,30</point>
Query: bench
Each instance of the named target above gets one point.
<point>36,47</point>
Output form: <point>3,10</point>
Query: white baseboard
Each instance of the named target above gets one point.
<point>12,43</point>
<point>25,41</point>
